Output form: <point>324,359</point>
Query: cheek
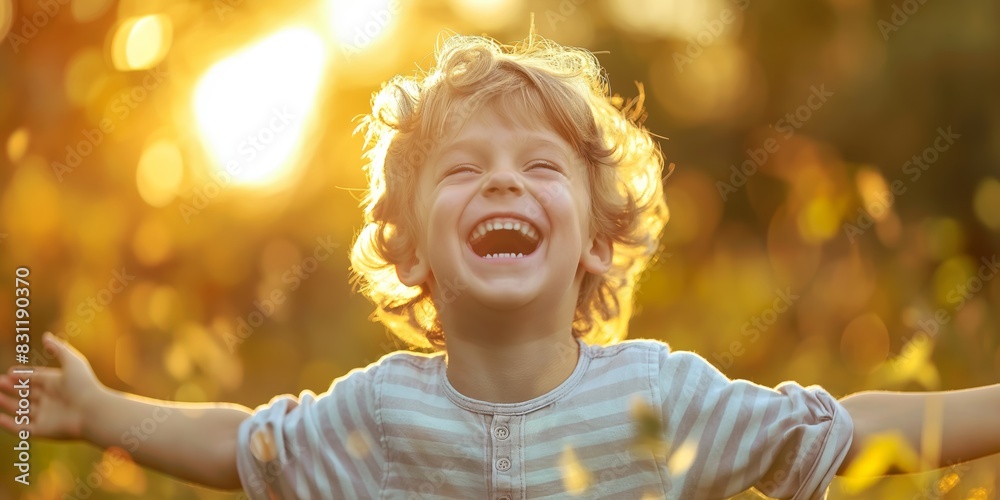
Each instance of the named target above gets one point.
<point>443,212</point>
<point>571,203</point>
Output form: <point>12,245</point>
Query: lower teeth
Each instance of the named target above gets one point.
<point>503,255</point>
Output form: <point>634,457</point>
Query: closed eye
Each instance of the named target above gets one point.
<point>545,165</point>
<point>460,169</point>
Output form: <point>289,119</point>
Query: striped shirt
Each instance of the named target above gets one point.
<point>633,420</point>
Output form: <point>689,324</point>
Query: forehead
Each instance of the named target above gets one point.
<point>491,126</point>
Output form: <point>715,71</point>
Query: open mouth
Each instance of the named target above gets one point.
<point>504,237</point>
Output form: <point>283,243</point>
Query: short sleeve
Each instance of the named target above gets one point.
<point>326,446</point>
<point>788,442</point>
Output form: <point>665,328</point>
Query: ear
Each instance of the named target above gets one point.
<point>414,271</point>
<point>597,257</point>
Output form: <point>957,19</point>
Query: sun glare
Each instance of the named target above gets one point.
<point>141,42</point>
<point>357,24</point>
<point>254,107</point>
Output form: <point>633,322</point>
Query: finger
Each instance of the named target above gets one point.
<point>46,379</point>
<point>7,424</point>
<point>41,382</point>
<point>64,352</point>
<point>43,378</point>
<point>7,404</point>
<point>7,384</point>
<point>22,369</point>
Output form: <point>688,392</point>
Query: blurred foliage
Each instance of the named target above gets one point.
<point>836,192</point>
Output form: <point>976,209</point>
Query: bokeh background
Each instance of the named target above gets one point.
<point>788,123</point>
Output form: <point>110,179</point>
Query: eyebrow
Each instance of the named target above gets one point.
<point>526,141</point>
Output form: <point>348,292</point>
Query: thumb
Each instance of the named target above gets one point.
<point>64,353</point>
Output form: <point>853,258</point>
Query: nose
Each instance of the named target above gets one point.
<point>503,181</point>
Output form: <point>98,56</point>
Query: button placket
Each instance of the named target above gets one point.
<point>504,467</point>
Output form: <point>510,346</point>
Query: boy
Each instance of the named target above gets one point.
<point>510,211</point>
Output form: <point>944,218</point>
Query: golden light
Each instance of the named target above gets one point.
<point>716,86</point>
<point>865,342</point>
<point>141,42</point>
<point>124,475</point>
<point>496,14</point>
<point>877,198</point>
<point>252,108</point>
<point>6,17</point>
<point>943,237</point>
<point>262,445</point>
<point>978,494</point>
<point>682,459</point>
<point>85,11</point>
<point>819,220</point>
<point>164,307</point>
<point>576,478</point>
<point>17,144</point>
<point>986,203</point>
<point>85,75</point>
<point>879,454</point>
<point>358,445</point>
<point>947,483</point>
<point>674,18</point>
<point>153,242</point>
<point>952,278</point>
<point>31,190</point>
<point>159,173</point>
<point>357,24</point>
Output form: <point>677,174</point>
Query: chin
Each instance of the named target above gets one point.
<point>504,301</point>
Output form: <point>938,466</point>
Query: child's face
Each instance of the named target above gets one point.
<point>505,215</point>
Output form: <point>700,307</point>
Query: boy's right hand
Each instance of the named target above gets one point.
<point>58,397</point>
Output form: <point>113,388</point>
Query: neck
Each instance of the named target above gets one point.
<point>503,360</point>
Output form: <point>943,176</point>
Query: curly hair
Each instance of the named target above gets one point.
<point>567,87</point>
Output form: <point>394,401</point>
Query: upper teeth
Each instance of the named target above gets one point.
<point>504,223</point>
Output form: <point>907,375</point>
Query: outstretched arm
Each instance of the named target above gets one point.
<point>193,442</point>
<point>961,425</point>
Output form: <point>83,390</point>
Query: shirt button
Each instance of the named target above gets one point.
<point>501,432</point>
<point>503,464</point>
<point>505,497</point>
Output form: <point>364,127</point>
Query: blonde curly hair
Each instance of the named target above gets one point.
<point>568,88</point>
